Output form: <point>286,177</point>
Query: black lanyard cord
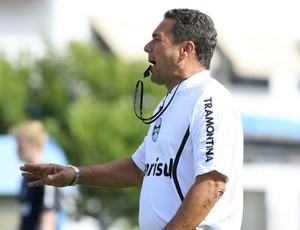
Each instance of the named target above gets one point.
<point>161,109</point>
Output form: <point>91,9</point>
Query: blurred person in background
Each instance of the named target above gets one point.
<point>190,163</point>
<point>39,205</point>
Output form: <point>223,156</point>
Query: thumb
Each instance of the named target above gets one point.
<point>57,180</point>
<point>50,177</point>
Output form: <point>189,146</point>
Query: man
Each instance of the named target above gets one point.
<point>190,163</point>
<point>39,206</point>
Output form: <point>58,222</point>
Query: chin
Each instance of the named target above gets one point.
<point>155,80</point>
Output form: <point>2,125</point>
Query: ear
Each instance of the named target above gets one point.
<point>188,47</point>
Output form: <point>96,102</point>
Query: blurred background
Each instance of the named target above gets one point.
<point>73,65</point>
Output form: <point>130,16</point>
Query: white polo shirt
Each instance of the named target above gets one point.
<point>200,131</point>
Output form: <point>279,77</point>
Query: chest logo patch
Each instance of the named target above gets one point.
<point>156,129</point>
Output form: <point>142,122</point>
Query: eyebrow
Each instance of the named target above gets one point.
<point>157,36</point>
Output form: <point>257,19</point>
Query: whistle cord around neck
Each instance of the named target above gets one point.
<point>161,109</point>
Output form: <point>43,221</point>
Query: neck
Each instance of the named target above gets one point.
<point>183,76</point>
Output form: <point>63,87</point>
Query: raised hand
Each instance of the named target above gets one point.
<point>48,174</point>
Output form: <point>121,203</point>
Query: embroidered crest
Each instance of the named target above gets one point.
<point>156,129</point>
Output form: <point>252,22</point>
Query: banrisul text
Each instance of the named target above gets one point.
<point>158,168</point>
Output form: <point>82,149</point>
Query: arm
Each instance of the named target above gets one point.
<point>199,201</point>
<point>48,220</point>
<point>119,173</point>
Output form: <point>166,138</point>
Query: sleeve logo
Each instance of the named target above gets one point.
<point>210,130</point>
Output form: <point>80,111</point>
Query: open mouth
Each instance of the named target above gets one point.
<point>152,63</point>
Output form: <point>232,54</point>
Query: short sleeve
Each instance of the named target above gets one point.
<point>139,157</point>
<point>212,133</point>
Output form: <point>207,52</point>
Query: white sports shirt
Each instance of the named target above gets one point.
<point>204,115</point>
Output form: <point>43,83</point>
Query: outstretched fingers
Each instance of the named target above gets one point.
<point>37,183</point>
<point>34,168</point>
<point>32,175</point>
<point>47,174</point>
<point>42,172</point>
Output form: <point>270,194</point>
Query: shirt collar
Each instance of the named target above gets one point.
<point>196,78</point>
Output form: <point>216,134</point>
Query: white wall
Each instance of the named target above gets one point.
<point>23,23</point>
<point>280,183</point>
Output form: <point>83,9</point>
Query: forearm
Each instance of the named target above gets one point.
<point>48,220</point>
<point>197,204</point>
<point>119,173</point>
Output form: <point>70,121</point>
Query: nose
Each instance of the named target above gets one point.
<point>147,47</point>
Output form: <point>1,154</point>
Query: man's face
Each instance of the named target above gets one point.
<point>25,149</point>
<point>164,55</point>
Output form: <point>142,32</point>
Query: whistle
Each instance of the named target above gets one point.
<point>147,72</point>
